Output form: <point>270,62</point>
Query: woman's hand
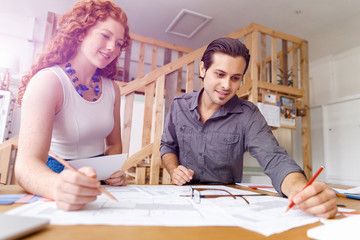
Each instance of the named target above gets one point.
<point>117,179</point>
<point>74,189</point>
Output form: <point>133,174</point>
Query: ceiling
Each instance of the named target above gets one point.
<point>330,26</point>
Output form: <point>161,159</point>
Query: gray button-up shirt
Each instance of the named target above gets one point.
<point>215,149</point>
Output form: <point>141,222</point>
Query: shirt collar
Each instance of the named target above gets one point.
<point>232,106</point>
<point>195,101</point>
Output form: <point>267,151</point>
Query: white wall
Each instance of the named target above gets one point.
<point>335,117</point>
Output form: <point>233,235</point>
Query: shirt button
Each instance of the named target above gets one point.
<point>200,154</point>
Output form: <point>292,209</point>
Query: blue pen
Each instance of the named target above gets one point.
<point>352,196</point>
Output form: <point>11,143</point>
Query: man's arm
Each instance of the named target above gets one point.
<point>316,199</point>
<point>179,174</point>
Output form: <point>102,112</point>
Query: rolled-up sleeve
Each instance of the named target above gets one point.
<point>263,146</point>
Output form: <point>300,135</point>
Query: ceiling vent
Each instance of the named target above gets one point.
<point>187,23</point>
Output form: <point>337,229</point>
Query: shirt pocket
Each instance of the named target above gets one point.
<point>224,148</point>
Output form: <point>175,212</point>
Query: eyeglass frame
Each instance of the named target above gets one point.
<point>212,196</point>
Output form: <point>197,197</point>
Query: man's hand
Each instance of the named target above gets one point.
<point>316,199</point>
<point>117,179</point>
<point>75,189</point>
<point>181,175</point>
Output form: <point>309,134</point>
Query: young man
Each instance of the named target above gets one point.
<point>206,134</point>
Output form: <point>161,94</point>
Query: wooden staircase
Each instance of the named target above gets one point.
<point>161,84</point>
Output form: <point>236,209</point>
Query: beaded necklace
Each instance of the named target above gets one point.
<point>80,88</point>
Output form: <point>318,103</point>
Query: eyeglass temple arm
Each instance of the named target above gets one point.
<point>216,196</point>
<point>214,189</point>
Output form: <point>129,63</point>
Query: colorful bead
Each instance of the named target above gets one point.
<point>81,88</point>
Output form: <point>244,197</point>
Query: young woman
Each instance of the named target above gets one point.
<point>71,107</point>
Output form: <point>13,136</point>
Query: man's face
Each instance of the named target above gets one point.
<point>222,79</point>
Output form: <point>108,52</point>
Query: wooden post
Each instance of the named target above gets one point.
<point>149,102</point>
<point>159,108</point>
<point>180,74</point>
<point>170,83</point>
<point>305,120</point>
<point>190,77</point>
<point>274,60</point>
<point>247,42</point>
<point>262,57</point>
<point>127,60</point>
<point>254,67</point>
<point>294,65</point>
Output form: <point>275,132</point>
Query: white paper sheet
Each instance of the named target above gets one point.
<point>162,205</point>
<point>104,166</point>
<point>346,228</point>
<point>271,114</point>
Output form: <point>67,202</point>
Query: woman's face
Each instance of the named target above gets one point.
<point>102,43</point>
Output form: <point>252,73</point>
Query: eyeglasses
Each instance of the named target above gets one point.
<point>196,196</point>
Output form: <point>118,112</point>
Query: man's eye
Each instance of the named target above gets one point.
<point>220,75</point>
<point>236,78</point>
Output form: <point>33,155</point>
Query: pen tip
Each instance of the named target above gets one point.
<point>287,209</point>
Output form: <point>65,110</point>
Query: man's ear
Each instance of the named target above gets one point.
<point>202,69</point>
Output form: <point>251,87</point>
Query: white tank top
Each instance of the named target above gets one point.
<point>80,126</point>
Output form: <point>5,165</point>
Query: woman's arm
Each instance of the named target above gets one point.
<point>113,142</point>
<point>71,190</point>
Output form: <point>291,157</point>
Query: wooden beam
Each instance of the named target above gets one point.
<point>285,68</point>
<point>127,60</point>
<point>153,75</point>
<point>179,76</point>
<point>141,62</point>
<point>128,112</point>
<point>159,108</point>
<point>294,66</point>
<point>262,57</point>
<point>190,77</point>
<point>149,102</point>
<point>254,68</point>
<point>282,89</point>
<point>247,42</point>
<point>305,120</point>
<point>137,157</point>
<point>277,34</point>
<point>5,156</point>
<point>274,68</point>
<point>170,83</point>
<point>160,43</point>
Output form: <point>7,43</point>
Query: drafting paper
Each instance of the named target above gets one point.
<point>104,166</point>
<point>156,205</point>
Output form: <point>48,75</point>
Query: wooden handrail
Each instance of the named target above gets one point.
<point>191,57</point>
<point>158,43</point>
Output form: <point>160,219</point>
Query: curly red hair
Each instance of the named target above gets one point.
<point>73,26</point>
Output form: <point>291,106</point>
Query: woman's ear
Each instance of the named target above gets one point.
<point>202,69</point>
<point>81,37</point>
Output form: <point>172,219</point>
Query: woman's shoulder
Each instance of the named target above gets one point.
<point>45,75</point>
<point>45,83</point>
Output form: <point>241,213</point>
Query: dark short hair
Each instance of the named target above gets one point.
<point>229,46</point>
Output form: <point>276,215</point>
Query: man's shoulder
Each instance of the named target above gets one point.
<point>246,105</point>
<point>185,96</point>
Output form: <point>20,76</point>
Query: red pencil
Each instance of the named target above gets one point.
<point>309,183</point>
